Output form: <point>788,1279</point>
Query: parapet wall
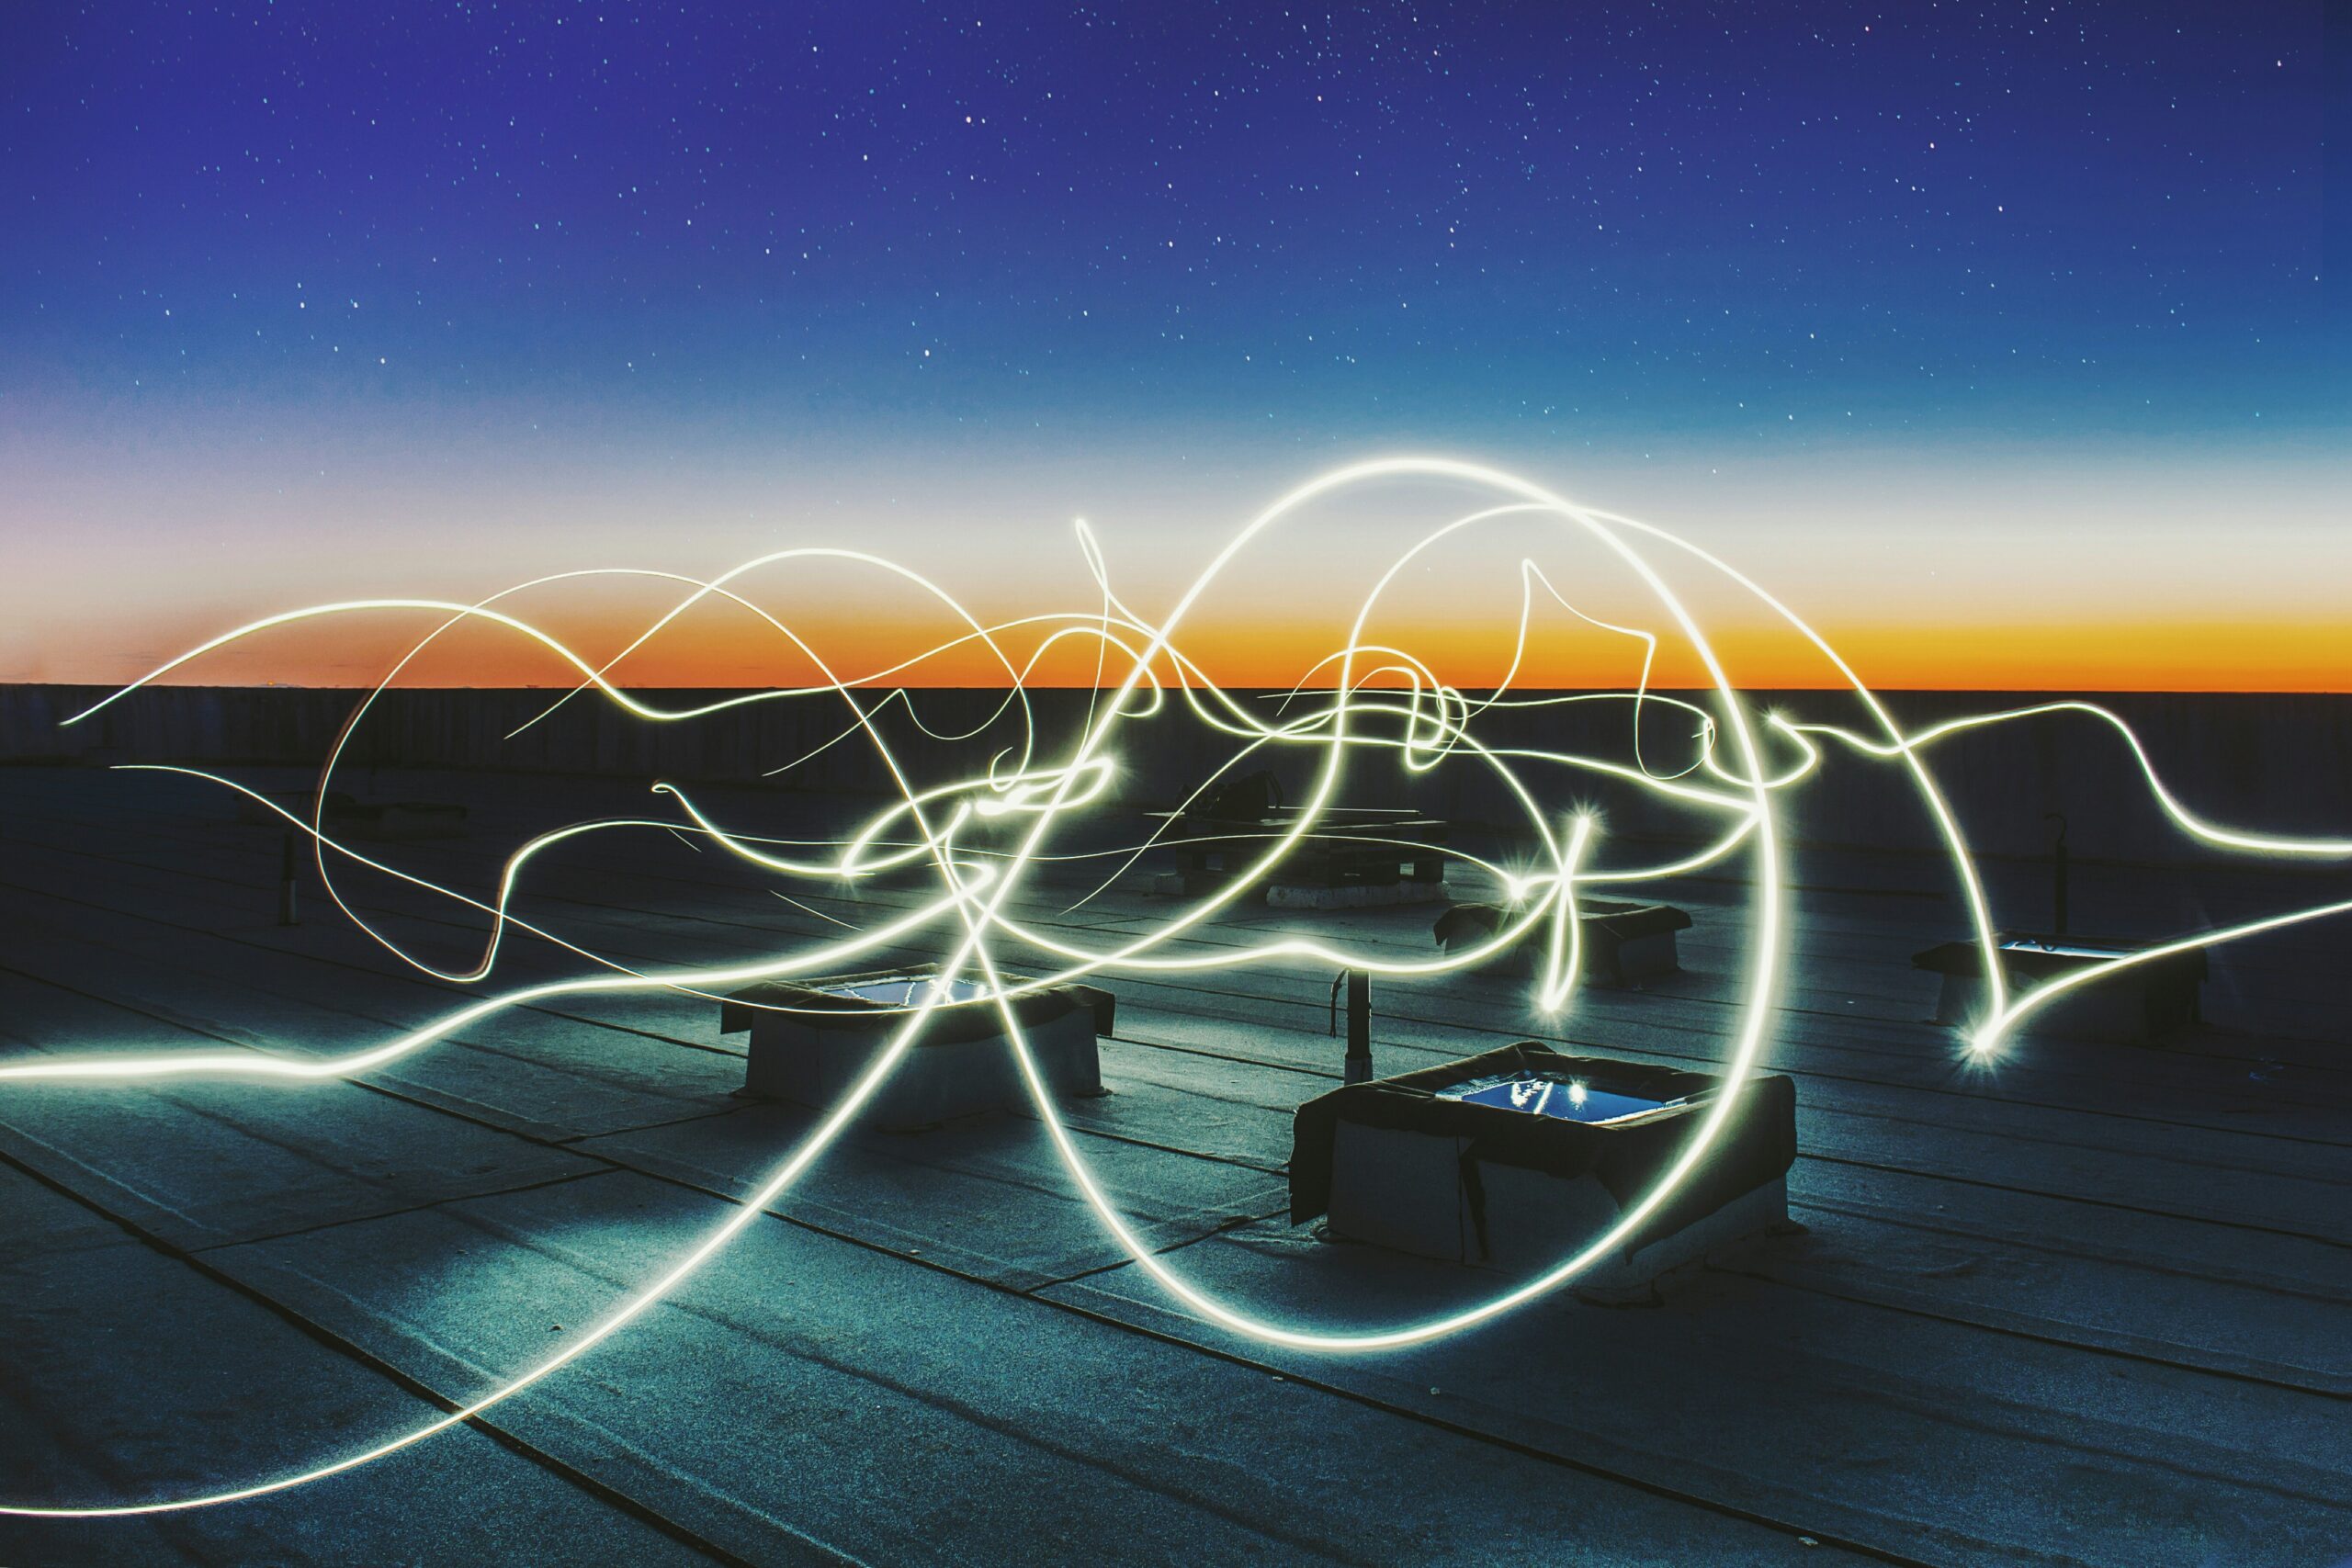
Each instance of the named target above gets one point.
<point>2280,764</point>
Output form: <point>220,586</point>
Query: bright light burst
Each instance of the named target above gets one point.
<point>1363,699</point>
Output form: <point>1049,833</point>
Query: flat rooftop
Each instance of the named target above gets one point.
<point>2090,1304</point>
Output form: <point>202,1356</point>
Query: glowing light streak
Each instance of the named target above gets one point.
<point>1565,963</point>
<point>2187,820</point>
<point>1426,724</point>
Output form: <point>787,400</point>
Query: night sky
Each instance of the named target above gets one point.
<point>305,300</point>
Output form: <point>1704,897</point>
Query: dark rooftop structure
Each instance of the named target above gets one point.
<point>2088,1302</point>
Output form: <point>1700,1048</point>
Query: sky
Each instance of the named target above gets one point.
<point>1997,339</point>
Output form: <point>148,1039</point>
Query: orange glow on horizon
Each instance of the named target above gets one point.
<point>2120,656</point>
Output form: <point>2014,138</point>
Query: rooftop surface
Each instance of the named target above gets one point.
<point>2090,1304</point>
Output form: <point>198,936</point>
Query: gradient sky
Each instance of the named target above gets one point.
<point>1996,337</point>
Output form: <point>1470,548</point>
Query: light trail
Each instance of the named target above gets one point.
<point>1347,709</point>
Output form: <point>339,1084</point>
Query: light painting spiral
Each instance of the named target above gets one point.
<point>982,835</point>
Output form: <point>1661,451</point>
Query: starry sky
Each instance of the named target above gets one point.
<point>1996,336</point>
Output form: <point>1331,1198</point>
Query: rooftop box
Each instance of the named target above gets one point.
<point>1623,942</point>
<point>347,817</point>
<point>1516,1158</point>
<point>2132,1007</point>
<point>1348,864</point>
<point>810,1040</point>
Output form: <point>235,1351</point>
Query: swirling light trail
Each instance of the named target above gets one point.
<point>1427,723</point>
